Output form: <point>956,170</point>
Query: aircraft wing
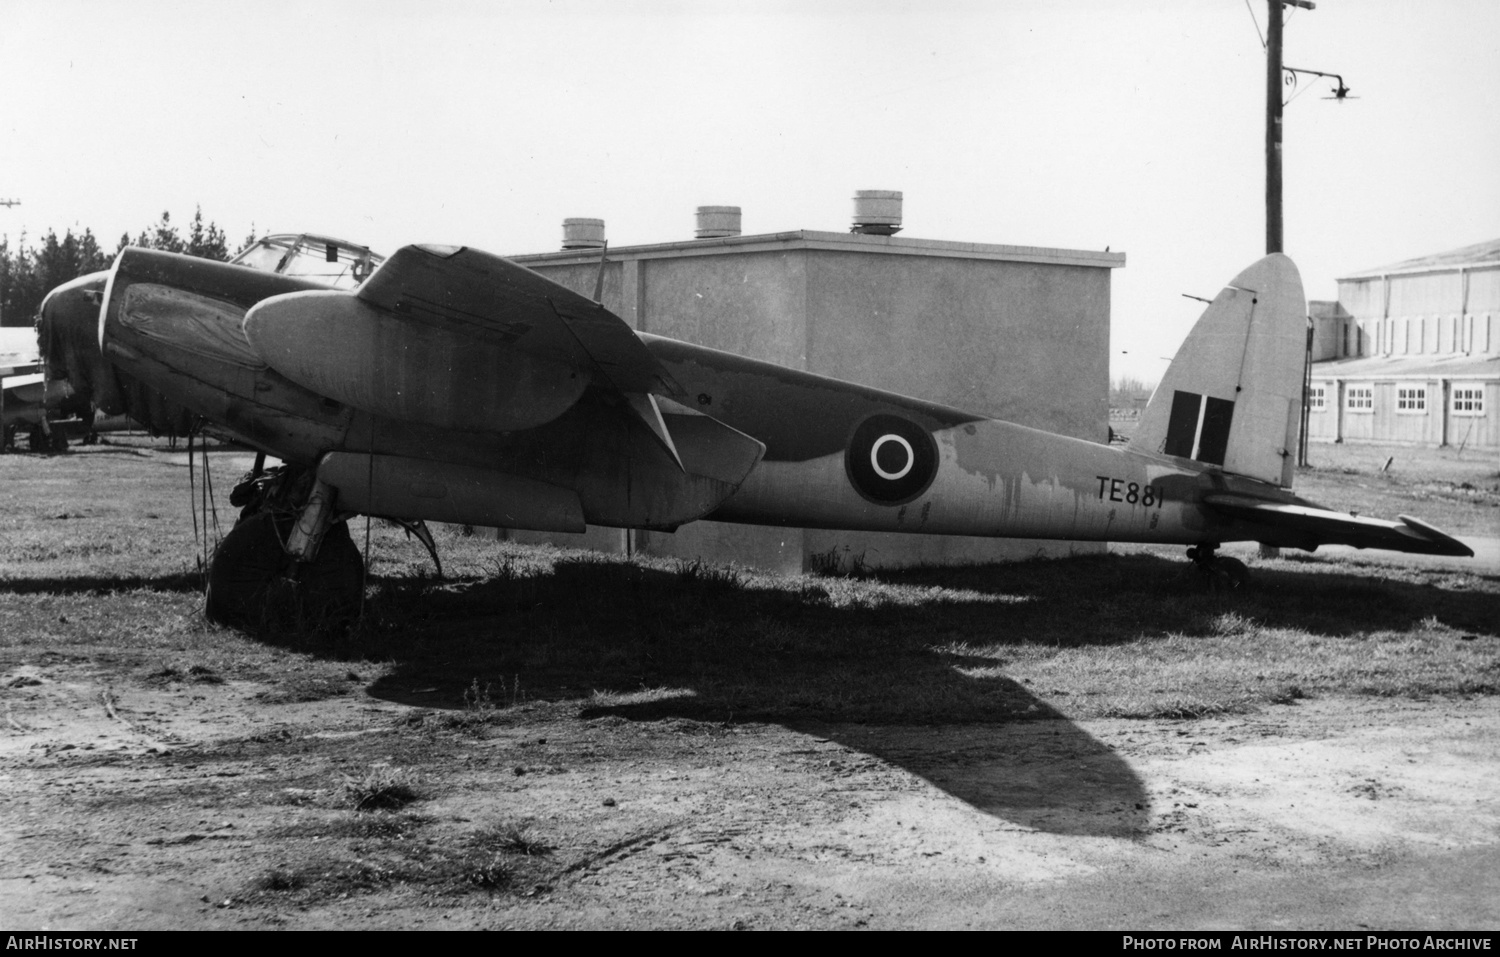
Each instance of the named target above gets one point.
<point>1320,526</point>
<point>483,297</point>
<point>467,342</point>
<point>456,338</point>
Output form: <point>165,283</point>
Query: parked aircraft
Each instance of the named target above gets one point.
<point>455,385</point>
<point>27,401</point>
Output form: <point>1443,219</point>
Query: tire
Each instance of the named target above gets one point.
<point>1229,574</point>
<point>252,585</point>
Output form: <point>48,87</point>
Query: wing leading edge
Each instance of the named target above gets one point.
<point>454,338</point>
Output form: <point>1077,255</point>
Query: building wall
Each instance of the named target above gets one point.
<point>752,304</point>
<point>1332,326</point>
<point>1438,424</point>
<point>1008,340</point>
<point>1026,341</point>
<point>1477,431</point>
<point>1455,311</point>
<point>1411,324</point>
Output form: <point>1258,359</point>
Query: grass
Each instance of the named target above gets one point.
<point>513,626</point>
<point>381,789</point>
<point>519,638</point>
<point>368,852</point>
<point>1457,491</point>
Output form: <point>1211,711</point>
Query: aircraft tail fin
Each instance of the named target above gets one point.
<point>1232,396</point>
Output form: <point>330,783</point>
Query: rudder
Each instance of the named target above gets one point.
<point>1232,396</point>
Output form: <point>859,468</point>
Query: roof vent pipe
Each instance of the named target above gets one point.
<point>877,212</point>
<point>717,222</point>
<point>581,233</point>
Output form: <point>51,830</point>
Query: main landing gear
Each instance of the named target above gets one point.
<point>1218,572</point>
<point>289,561</point>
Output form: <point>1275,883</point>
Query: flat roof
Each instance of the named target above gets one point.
<point>835,242</point>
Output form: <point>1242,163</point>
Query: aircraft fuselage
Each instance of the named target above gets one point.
<point>837,455</point>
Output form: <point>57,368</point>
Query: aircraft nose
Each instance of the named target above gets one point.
<point>68,330</point>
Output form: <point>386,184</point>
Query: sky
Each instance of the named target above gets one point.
<point>1136,125</point>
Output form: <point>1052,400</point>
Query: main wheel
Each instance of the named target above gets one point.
<point>253,585</point>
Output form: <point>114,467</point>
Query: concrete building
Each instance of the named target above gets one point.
<point>1411,353</point>
<point>1014,332</point>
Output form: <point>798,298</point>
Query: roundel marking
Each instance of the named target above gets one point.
<point>901,460</point>
<point>890,460</point>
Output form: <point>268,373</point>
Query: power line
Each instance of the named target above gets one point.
<point>1257,24</point>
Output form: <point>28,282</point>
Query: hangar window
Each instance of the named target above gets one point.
<point>1411,399</point>
<point>1468,400</point>
<point>1317,398</point>
<point>1360,398</point>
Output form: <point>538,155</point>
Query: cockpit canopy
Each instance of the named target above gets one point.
<point>319,258</point>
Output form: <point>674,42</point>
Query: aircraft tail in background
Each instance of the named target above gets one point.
<point>1232,397</point>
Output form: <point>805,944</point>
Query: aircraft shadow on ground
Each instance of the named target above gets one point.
<point>102,584</point>
<point>885,669</point>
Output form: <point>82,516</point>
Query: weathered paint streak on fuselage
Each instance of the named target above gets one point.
<point>993,478</point>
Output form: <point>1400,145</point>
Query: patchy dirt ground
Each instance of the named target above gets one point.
<point>187,801</point>
<point>644,757</point>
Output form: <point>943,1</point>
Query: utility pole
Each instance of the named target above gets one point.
<point>1273,126</point>
<point>1274,243</point>
<point>1273,119</point>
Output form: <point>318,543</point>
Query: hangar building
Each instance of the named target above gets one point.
<point>1410,352</point>
<point>1014,332</point>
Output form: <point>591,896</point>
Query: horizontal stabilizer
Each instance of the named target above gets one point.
<point>1311,526</point>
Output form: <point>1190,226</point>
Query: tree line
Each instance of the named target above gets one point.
<point>29,272</point>
<point>1127,391</point>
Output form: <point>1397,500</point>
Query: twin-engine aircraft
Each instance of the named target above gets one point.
<point>454,385</point>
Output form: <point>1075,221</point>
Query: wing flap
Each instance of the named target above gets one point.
<point>1320,526</point>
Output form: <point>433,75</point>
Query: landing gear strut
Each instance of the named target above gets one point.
<point>1219,572</point>
<point>288,562</point>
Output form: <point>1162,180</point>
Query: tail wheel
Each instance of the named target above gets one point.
<point>1218,572</point>
<point>253,585</point>
<point>1228,574</point>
